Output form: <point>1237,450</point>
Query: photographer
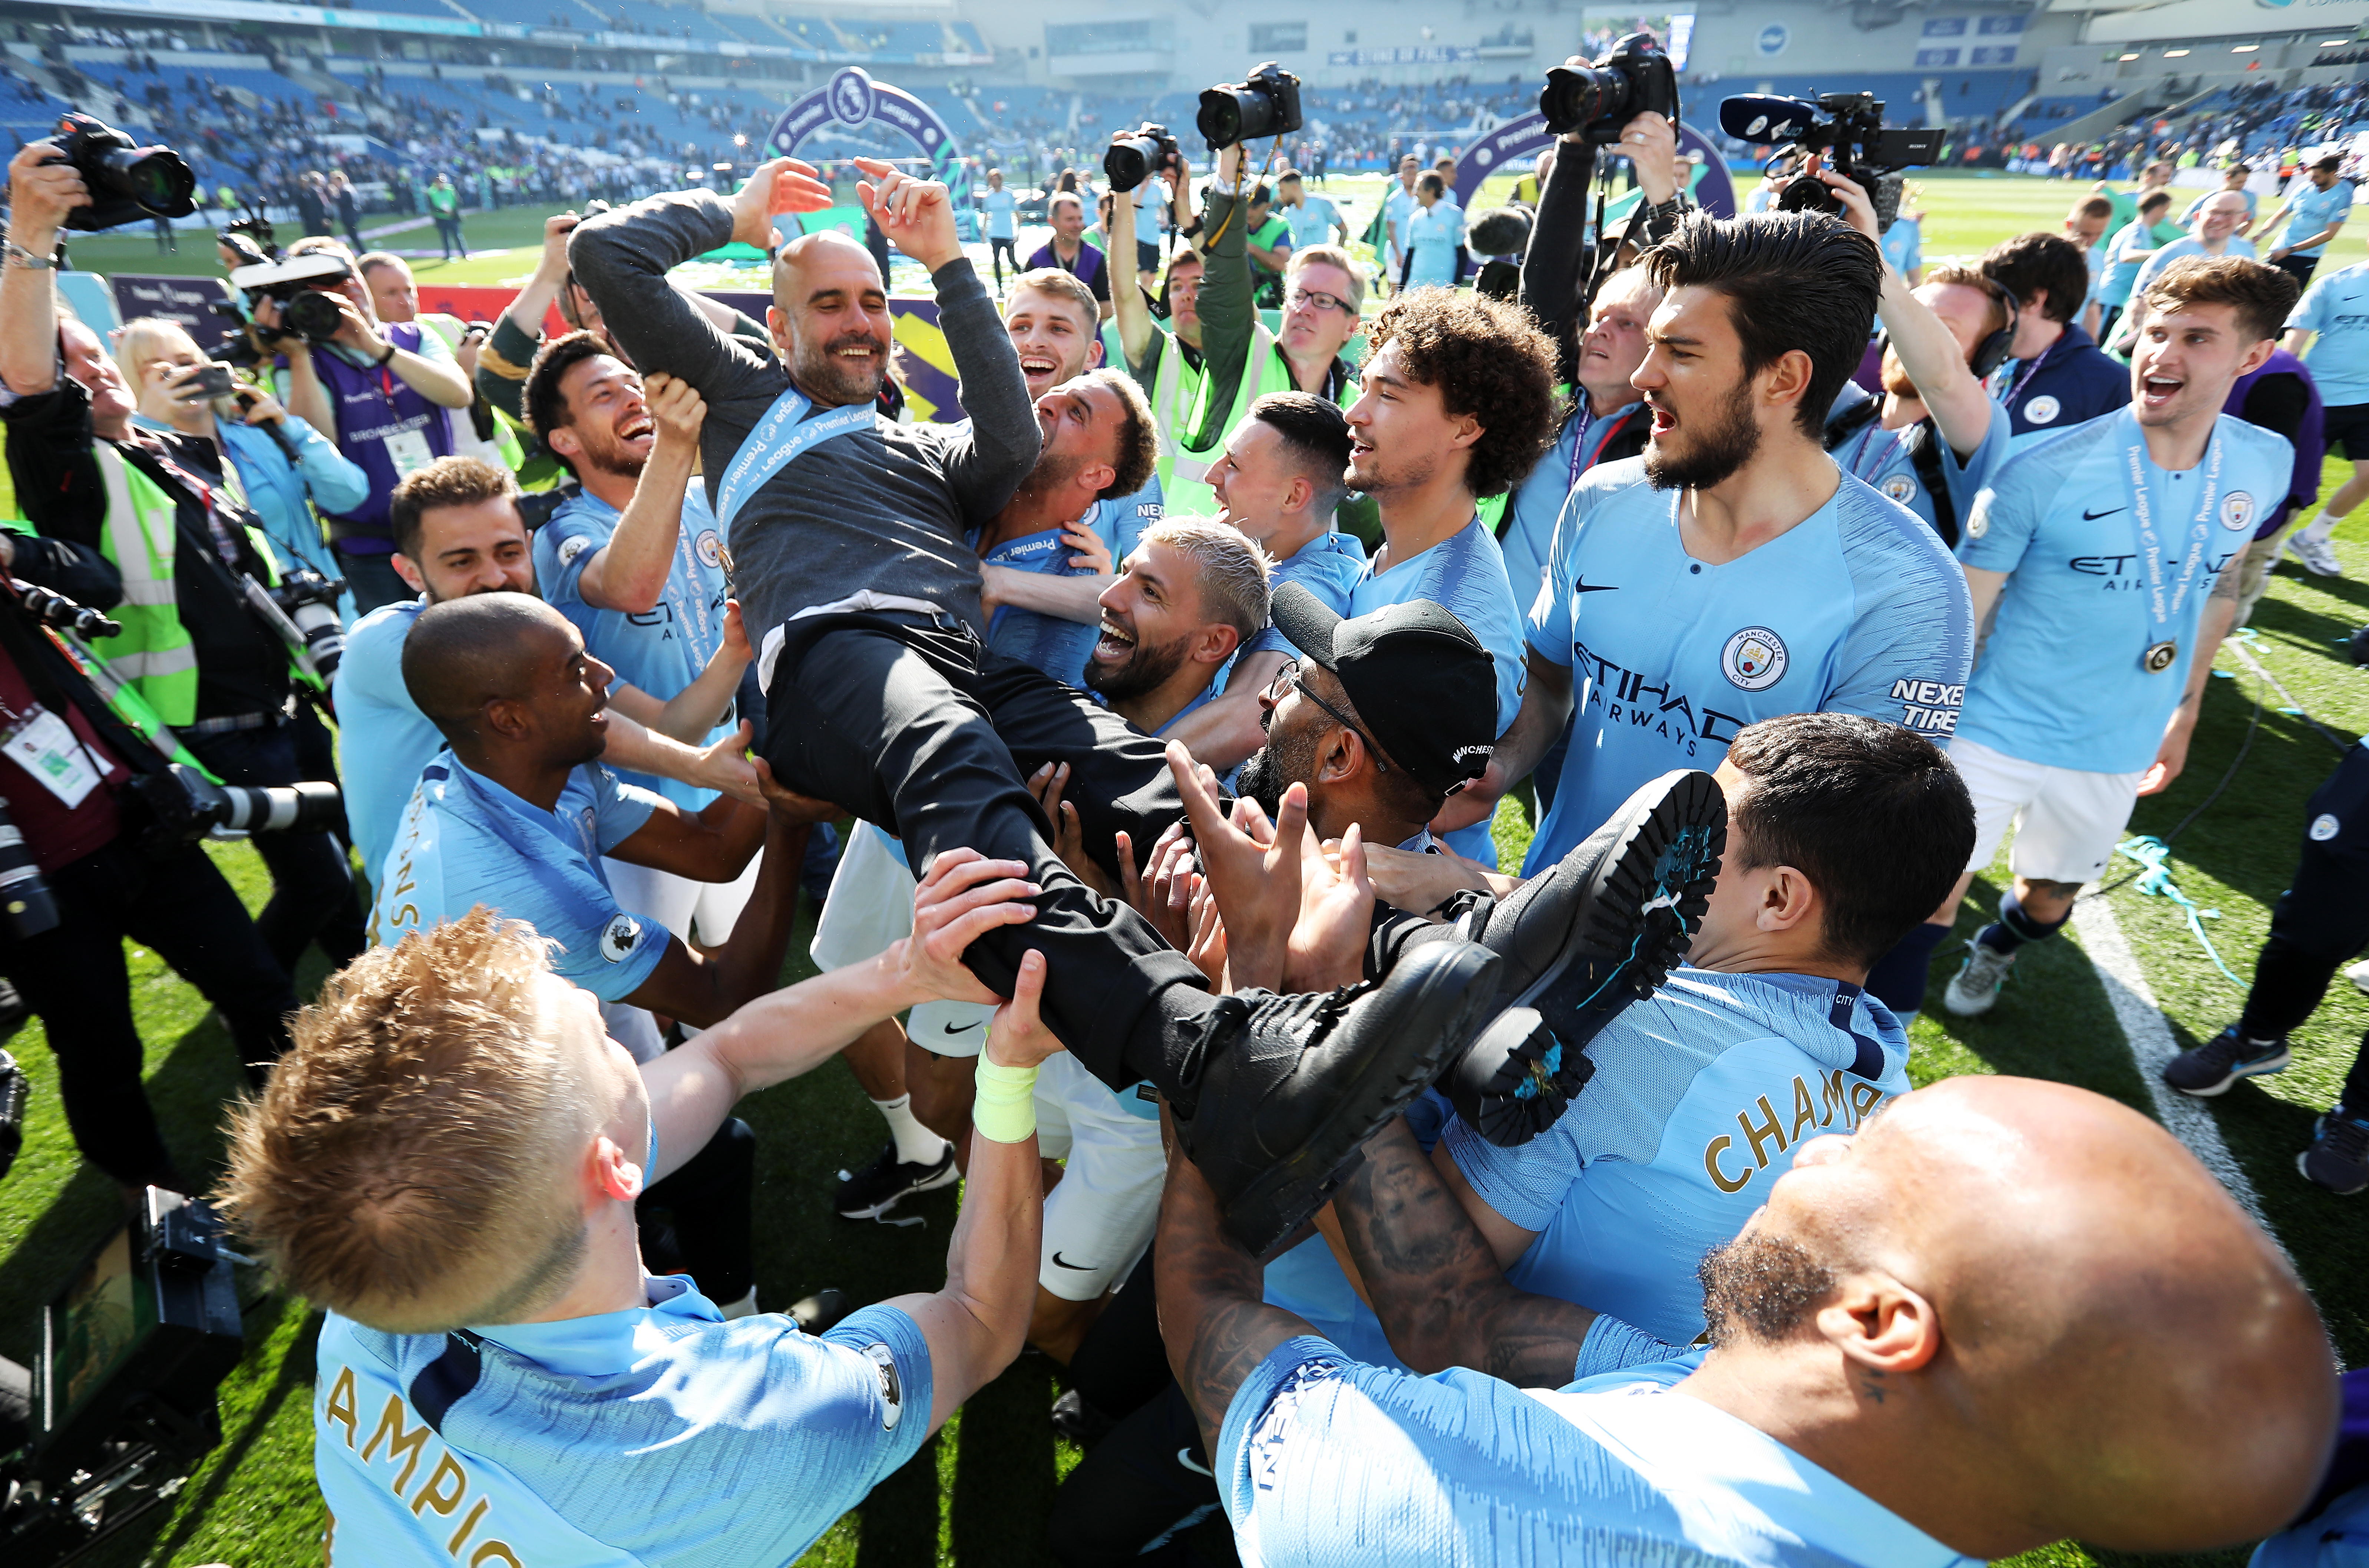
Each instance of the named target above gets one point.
<point>1165,360</point>
<point>381,391</point>
<point>188,553</point>
<point>108,887</point>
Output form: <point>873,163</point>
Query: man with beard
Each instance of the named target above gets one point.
<point>1459,403</point>
<point>457,531</point>
<point>1192,595</point>
<point>1733,572</point>
<point>2003,1313</point>
<point>849,535</point>
<point>634,559</point>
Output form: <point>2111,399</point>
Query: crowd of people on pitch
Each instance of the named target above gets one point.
<point>1140,738</point>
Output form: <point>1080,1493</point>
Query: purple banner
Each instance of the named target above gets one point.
<point>1509,148</point>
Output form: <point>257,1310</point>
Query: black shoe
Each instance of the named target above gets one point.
<point>820,1313</point>
<point>2339,1156</point>
<point>2212,1067</point>
<point>1078,1422</point>
<point>1295,1085</point>
<point>1602,929</point>
<point>878,1188</point>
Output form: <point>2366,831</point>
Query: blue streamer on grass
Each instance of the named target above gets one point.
<point>2154,857</point>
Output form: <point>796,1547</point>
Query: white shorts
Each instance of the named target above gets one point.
<point>2067,821</point>
<point>870,907</point>
<point>680,905</point>
<point>1099,1219</point>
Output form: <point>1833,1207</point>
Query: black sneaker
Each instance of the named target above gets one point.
<point>2212,1067</point>
<point>2339,1156</point>
<point>1295,1085</point>
<point>878,1188</point>
<point>1078,1422</point>
<point>1602,929</point>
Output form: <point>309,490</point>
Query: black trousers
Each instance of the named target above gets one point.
<point>2321,922</point>
<point>911,723</point>
<point>75,977</point>
<point>313,893</point>
<point>2299,268</point>
<point>701,1220</point>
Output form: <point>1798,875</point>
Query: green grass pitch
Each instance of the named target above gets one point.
<point>977,1494</point>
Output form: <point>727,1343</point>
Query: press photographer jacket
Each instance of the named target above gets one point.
<point>190,646</point>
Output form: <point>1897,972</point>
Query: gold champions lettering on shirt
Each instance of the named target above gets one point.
<point>444,1492</point>
<point>1766,1131</point>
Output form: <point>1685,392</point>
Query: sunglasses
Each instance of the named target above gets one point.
<point>1286,680</point>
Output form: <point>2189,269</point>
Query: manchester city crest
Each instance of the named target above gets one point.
<point>1754,659</point>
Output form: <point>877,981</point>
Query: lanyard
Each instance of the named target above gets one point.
<point>2023,377</point>
<point>776,439</point>
<point>1858,454</point>
<point>220,513</point>
<point>1583,456</point>
<point>2161,649</point>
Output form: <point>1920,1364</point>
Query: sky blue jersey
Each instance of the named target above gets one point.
<point>1329,566</point>
<point>2336,306</point>
<point>1904,245</point>
<point>1323,1462</point>
<point>658,1434</point>
<point>1311,222</point>
<point>661,651</point>
<point>1465,575</point>
<point>1000,206</point>
<point>1432,235</point>
<point>2313,209</point>
<point>466,841</point>
<point>1539,498</point>
<point>377,720</point>
<point>1059,647</point>
<point>1857,609</point>
<point>1706,1087</point>
<point>2061,681</point>
<point>1883,460</point>
<point>2179,248</point>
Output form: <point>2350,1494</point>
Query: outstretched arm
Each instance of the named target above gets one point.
<point>1215,1327</point>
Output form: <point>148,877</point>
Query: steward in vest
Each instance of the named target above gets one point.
<point>1323,294</point>
<point>184,547</point>
<point>1165,360</point>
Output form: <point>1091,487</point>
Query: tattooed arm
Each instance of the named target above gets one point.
<point>1435,1281</point>
<point>1217,1328</point>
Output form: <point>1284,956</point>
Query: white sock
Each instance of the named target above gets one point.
<point>2320,527</point>
<point>916,1145</point>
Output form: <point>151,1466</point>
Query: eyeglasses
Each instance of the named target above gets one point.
<point>1286,680</point>
<point>1322,301</point>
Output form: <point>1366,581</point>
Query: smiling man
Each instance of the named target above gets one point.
<point>1193,593</point>
<point>2111,553</point>
<point>1733,573</point>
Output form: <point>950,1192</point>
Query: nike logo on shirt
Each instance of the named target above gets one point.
<point>2094,516</point>
<point>1584,585</point>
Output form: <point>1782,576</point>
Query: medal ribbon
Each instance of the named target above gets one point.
<point>776,439</point>
<point>2150,546</point>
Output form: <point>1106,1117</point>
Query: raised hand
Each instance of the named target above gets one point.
<point>677,411</point>
<point>1253,867</point>
<point>916,214</point>
<point>778,185</point>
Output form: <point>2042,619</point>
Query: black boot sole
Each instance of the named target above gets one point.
<point>1438,997</point>
<point>1632,924</point>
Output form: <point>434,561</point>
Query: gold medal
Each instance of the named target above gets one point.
<point>2158,656</point>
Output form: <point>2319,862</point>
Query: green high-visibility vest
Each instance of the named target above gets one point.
<point>1183,487</point>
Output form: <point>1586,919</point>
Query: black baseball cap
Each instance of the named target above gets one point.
<point>1421,684</point>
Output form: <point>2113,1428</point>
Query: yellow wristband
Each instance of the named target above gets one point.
<point>1005,1109</point>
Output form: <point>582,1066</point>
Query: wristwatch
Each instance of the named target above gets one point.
<point>19,257</point>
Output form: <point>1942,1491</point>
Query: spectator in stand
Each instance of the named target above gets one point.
<point>1068,251</point>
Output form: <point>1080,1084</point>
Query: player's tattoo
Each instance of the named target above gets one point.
<point>1871,1385</point>
<point>1434,1282</point>
<point>1218,1328</point>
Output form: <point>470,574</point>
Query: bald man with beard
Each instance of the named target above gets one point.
<point>2006,1312</point>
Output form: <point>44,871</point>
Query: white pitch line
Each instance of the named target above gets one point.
<point>2151,1046</point>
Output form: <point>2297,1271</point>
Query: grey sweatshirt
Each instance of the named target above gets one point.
<point>886,508</point>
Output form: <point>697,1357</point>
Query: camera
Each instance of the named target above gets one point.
<point>310,602</point>
<point>185,805</point>
<point>1849,129</point>
<point>127,181</point>
<point>1265,103</point>
<point>305,311</point>
<point>1136,155</point>
<point>50,607</point>
<point>1598,101</point>
<point>25,897</point>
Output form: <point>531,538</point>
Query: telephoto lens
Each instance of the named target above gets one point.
<point>1134,158</point>
<point>310,807</point>
<point>1267,104</point>
<point>126,181</point>
<point>13,1095</point>
<point>25,897</point>
<point>310,601</point>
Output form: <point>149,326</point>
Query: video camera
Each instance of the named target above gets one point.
<point>131,1353</point>
<point>126,181</point>
<point>1265,104</point>
<point>1849,129</point>
<point>1136,155</point>
<point>301,284</point>
<point>1596,101</point>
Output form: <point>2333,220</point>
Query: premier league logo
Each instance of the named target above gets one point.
<point>2237,511</point>
<point>572,548</point>
<point>1754,659</point>
<point>853,97</point>
<point>620,937</point>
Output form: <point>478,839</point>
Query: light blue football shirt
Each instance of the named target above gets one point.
<point>1399,204</point>
<point>1857,609</point>
<point>1057,646</point>
<point>1000,206</point>
<point>1904,245</point>
<point>1700,1093</point>
<point>1881,458</point>
<point>1323,1462</point>
<point>1432,234</point>
<point>2313,209</point>
<point>2197,206</point>
<point>384,737</point>
<point>1311,222</point>
<point>667,649</point>
<point>1465,575</point>
<point>661,1434</point>
<point>2060,681</point>
<point>466,841</point>
<point>1538,500</point>
<point>2336,1538</point>
<point>1329,566</point>
<point>2122,269</point>
<point>2178,248</point>
<point>2336,306</point>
